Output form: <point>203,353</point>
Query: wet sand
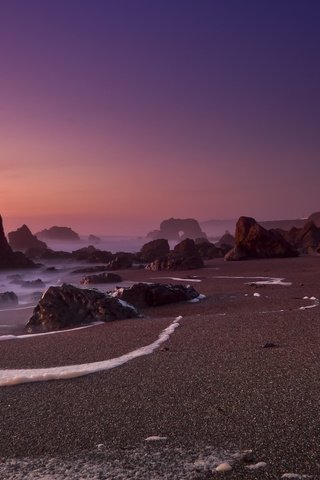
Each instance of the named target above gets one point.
<point>211,386</point>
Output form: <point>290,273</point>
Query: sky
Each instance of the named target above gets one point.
<point>117,114</point>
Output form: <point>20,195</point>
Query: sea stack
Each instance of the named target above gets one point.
<point>10,259</point>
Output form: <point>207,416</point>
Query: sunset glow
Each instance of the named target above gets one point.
<point>116,115</point>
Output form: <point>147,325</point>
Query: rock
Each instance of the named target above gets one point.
<point>92,255</point>
<point>178,229</point>
<point>183,257</point>
<point>8,299</point>
<point>55,255</point>
<point>315,218</point>
<point>253,241</point>
<point>102,278</point>
<point>22,239</point>
<point>68,306</point>
<point>120,261</point>
<point>155,294</point>
<point>305,239</point>
<point>270,345</point>
<point>10,259</point>
<point>98,268</point>
<point>226,239</point>
<point>207,250</point>
<point>153,250</point>
<point>58,233</point>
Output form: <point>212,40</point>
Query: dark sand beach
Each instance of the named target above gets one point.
<point>212,389</point>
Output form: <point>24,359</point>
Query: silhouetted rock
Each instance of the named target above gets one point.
<point>150,295</point>
<point>183,257</point>
<point>253,241</point>
<point>8,299</point>
<point>38,283</point>
<point>68,306</point>
<point>22,239</point>
<point>153,250</point>
<point>56,255</point>
<point>121,261</point>
<point>10,259</point>
<point>58,233</point>
<point>98,268</point>
<point>178,229</point>
<point>226,239</point>
<point>305,239</point>
<point>101,278</point>
<point>92,255</point>
<point>207,250</point>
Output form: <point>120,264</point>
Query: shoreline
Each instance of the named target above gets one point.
<point>211,383</point>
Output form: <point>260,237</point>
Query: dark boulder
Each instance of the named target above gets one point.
<point>183,257</point>
<point>91,254</point>
<point>22,239</point>
<point>226,240</point>
<point>153,250</point>
<point>68,306</point>
<point>10,259</point>
<point>121,261</point>
<point>207,250</point>
<point>101,278</point>
<point>38,283</point>
<point>253,241</point>
<point>96,269</point>
<point>94,239</point>
<point>305,239</point>
<point>8,299</point>
<point>151,295</point>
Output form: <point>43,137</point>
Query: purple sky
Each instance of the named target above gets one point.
<point>117,114</point>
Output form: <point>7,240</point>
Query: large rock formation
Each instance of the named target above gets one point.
<point>22,239</point>
<point>92,255</point>
<point>10,259</point>
<point>58,233</point>
<point>178,229</point>
<point>8,299</point>
<point>305,239</point>
<point>207,250</point>
<point>253,241</point>
<point>68,306</point>
<point>315,218</point>
<point>152,250</point>
<point>183,257</point>
<point>150,295</point>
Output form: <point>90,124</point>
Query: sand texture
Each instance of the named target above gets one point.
<point>211,391</point>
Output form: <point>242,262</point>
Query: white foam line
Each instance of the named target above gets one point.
<point>32,335</point>
<point>263,281</point>
<point>313,305</point>
<point>196,280</point>
<point>14,377</point>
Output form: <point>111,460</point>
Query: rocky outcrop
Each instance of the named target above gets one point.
<point>153,250</point>
<point>92,255</point>
<point>305,239</point>
<point>58,233</point>
<point>10,259</point>
<point>101,278</point>
<point>8,299</point>
<point>183,257</point>
<point>120,261</point>
<point>207,250</point>
<point>22,239</point>
<point>253,241</point>
<point>178,229</point>
<point>94,239</point>
<point>151,295</point>
<point>68,306</point>
<point>315,218</point>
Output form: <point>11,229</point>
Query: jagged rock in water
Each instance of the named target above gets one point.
<point>10,259</point>
<point>253,241</point>
<point>22,239</point>
<point>102,278</point>
<point>155,294</point>
<point>38,283</point>
<point>305,239</point>
<point>227,240</point>
<point>152,250</point>
<point>69,306</point>
<point>120,261</point>
<point>94,239</point>
<point>8,299</point>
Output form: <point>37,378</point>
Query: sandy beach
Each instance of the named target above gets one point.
<point>210,392</point>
